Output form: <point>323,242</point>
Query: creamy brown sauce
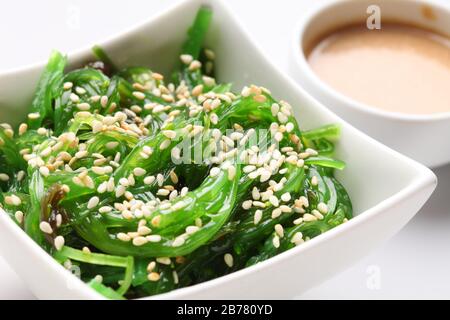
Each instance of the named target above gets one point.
<point>398,68</point>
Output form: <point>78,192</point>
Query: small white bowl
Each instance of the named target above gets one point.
<point>387,188</point>
<point>422,137</point>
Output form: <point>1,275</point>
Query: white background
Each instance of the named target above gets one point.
<point>414,264</point>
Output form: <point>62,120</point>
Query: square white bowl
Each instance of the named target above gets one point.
<point>386,188</point>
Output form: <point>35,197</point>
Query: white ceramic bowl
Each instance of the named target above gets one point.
<point>387,188</point>
<point>422,137</point>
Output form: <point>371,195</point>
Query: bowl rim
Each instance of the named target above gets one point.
<point>421,176</point>
<point>302,65</point>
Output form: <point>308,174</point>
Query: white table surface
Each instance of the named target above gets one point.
<point>415,264</point>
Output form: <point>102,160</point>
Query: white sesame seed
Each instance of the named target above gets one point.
<point>148,150</point>
<point>304,200</point>
<point>19,216</point>
<point>123,237</point>
<point>255,194</point>
<point>228,258</point>
<point>231,172</point>
<point>139,241</point>
<point>314,181</point>
<point>42,131</point>
<point>307,217</point>
<point>246,205</point>
<point>274,201</point>
<point>163,260</point>
<point>45,227</point>
<point>23,128</point>
<point>67,85</point>
<point>245,91</point>
<point>317,214</point>
<point>13,200</point>
<point>74,98</point>
<point>20,175</point>
<point>110,185</point>
<point>129,195</point>
<point>160,179</point>
<point>192,229</point>
<point>59,242</point>
<point>149,180</point>
<point>195,65</point>
<point>297,238</point>
<point>93,202</point>
<point>156,220</point>
<point>124,182</point>
<point>311,152</point>
<point>154,276</point>
<point>275,109</point>
<point>276,213</point>
<point>197,90</point>
<point>111,144</point>
<point>162,192</point>
<point>322,207</point>
<point>228,141</point>
<point>86,250</point>
<point>105,209</point>
<point>46,152</point>
<point>164,145</point>
<point>131,180</point>
<point>214,171</point>
<point>4,177</point>
<point>208,81</point>
<point>83,106</point>
<point>138,172</point>
<point>286,197</point>
<point>81,154</point>
<point>278,136</point>
<point>175,277</point>
<point>151,266</point>
<point>103,101</point>
<point>139,95</point>
<point>265,175</point>
<point>120,191</point>
<point>214,118</point>
<point>279,230</point>
<point>78,181</point>
<point>173,177</point>
<point>34,116</point>
<point>58,220</point>
<point>298,221</point>
<point>184,191</point>
<point>285,209</point>
<point>258,216</point>
<point>186,58</point>
<point>179,241</point>
<point>210,54</point>
<point>282,117</point>
<point>44,171</point>
<point>154,238</point>
<point>143,230</point>
<point>98,170</point>
<point>249,168</point>
<point>170,134</point>
<point>176,153</point>
<point>80,90</point>
<point>276,241</point>
<point>289,126</point>
<point>259,204</point>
